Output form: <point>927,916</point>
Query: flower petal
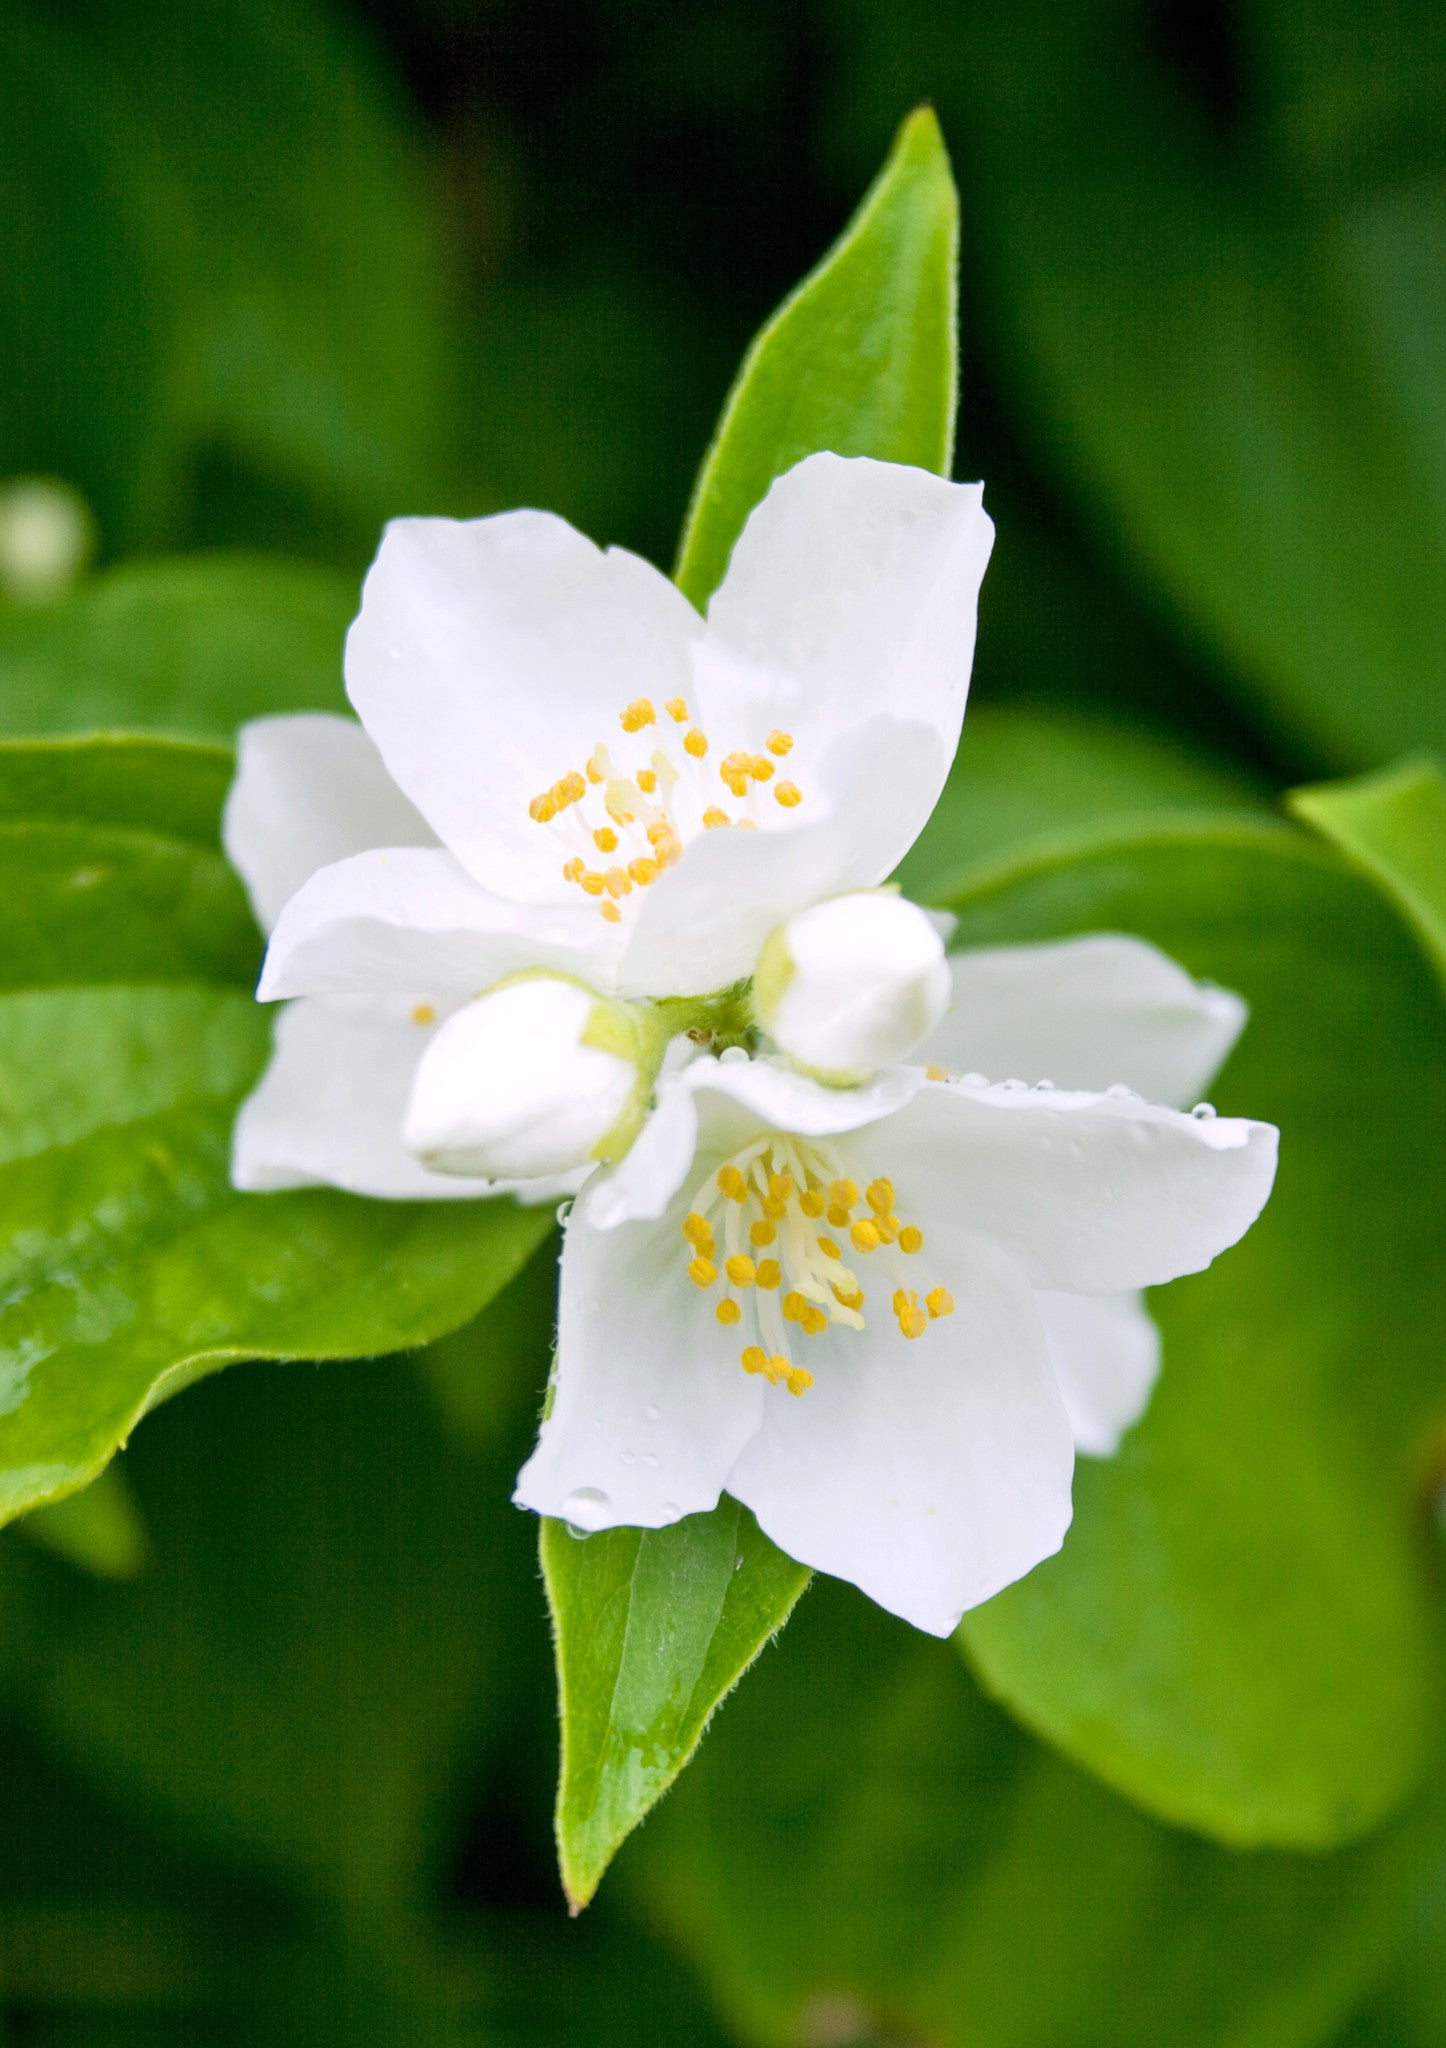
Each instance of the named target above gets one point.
<point>931,1473</point>
<point>328,1110</point>
<point>1106,1355</point>
<point>715,1106</point>
<point>490,657</point>
<point>401,919</point>
<point>1094,1194</point>
<point>310,789</point>
<point>852,590</point>
<point>1086,1013</point>
<point>650,1405</point>
<point>701,924</point>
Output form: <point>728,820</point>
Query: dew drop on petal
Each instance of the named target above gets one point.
<point>1122,1093</point>
<point>1043,1087</point>
<point>653,1414</point>
<point>1203,1111</point>
<point>628,1457</point>
<point>564,1210</point>
<point>587,1508</point>
<point>650,1459</point>
<point>732,1056</point>
<point>974,1080</point>
<point>671,1508</point>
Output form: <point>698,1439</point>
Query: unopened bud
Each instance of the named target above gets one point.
<point>852,985</point>
<point>535,1078</point>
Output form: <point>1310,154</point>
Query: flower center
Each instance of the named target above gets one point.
<point>775,1229</point>
<point>640,817</point>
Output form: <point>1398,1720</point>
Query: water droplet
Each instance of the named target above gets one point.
<point>1203,1111</point>
<point>731,1055</point>
<point>650,1459</point>
<point>577,1535</point>
<point>1014,1087</point>
<point>670,1508</point>
<point>974,1080</point>
<point>1043,1086</point>
<point>628,1457</point>
<point>1122,1093</point>
<point>588,1507</point>
<point>564,1210</point>
<point>737,1564</point>
<point>653,1414</point>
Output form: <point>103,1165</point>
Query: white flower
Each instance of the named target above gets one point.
<point>537,1077</point>
<point>852,985</point>
<point>1096,1012</point>
<point>826,1301</point>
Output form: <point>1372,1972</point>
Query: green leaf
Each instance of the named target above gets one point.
<point>861,359</point>
<point>190,648</point>
<point>168,786</point>
<point>1393,826</point>
<point>868,1851</point>
<point>653,1627</point>
<point>1236,1631</point>
<point>100,1529</point>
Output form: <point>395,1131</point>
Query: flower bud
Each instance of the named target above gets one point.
<point>535,1078</point>
<point>852,985</point>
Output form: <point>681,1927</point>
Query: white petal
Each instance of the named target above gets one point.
<point>1087,1013</point>
<point>1106,1355</point>
<point>718,1106</point>
<point>402,919</point>
<point>328,1110</point>
<point>930,1473</point>
<point>650,1404</point>
<point>490,657</point>
<point>310,789</point>
<point>853,590</point>
<point>701,924</point>
<point>1094,1194</point>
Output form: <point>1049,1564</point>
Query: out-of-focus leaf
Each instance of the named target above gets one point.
<point>1235,1633</point>
<point>1394,826</point>
<point>190,648</point>
<point>100,1529</point>
<point>172,787</point>
<point>862,359</point>
<point>868,1852</point>
<point>653,1627</point>
<point>1238,359</point>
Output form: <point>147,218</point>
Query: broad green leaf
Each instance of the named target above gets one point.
<point>868,1851</point>
<point>1393,826</point>
<point>100,1529</point>
<point>132,1267</point>
<point>189,647</point>
<point>173,787</point>
<point>653,1627</point>
<point>1235,1633</point>
<point>861,359</point>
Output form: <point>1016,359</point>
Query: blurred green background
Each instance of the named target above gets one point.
<point>279,1736</point>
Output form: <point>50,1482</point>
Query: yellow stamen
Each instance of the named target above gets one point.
<point>696,744</point>
<point>424,1014</point>
<point>702,1272</point>
<point>575,870</point>
<point>677,710</point>
<point>829,1249</point>
<point>605,839</point>
<point>638,714</point>
<point>864,1236</point>
<point>939,1302</point>
<point>740,1269</point>
<point>732,1184</point>
<point>779,742</point>
<point>644,871</point>
<point>780,1186</point>
<point>879,1194</point>
<point>815,1322</point>
<point>847,1299</point>
<point>698,1230</point>
<point>887,1227</point>
<point>795,1307</point>
<point>789,795</point>
<point>542,810</point>
<point>646,780</point>
<point>812,1204</point>
<point>769,1274</point>
<point>617,882</point>
<point>593,882</point>
<point>713,818</point>
<point>913,1322</point>
<point>936,1073</point>
<point>754,1359</point>
<point>798,1381</point>
<point>611,912</point>
<point>761,768</point>
<point>728,1311</point>
<point>762,1232</point>
<point>911,1238</point>
<point>843,1194</point>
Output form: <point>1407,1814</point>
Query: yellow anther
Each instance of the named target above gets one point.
<point>887,1227</point>
<point>780,1186</point>
<point>761,768</point>
<point>733,769</point>
<point>936,1073</point>
<point>795,1307</point>
<point>638,714</point>
<point>913,1322</point>
<point>762,1232</point>
<point>815,1322</point>
<point>643,871</point>
<point>901,1300</point>
<point>617,882</point>
<point>695,743</point>
<point>542,810</point>
<point>575,870</point>
<point>745,825</point>
<point>646,780</point>
<point>611,912</point>
<point>879,1194</point>
<point>864,1236</point>
<point>829,1249</point>
<point>728,1311</point>
<point>597,769</point>
<point>574,787</point>
<point>424,1014</point>
<point>798,1381</point>
<point>911,1238</point>
<point>754,1359</point>
<point>843,1194</point>
<point>939,1302</point>
<point>698,1230</point>
<point>592,881</point>
<point>740,1269</point>
<point>770,1274</point>
<point>732,1184</point>
<point>838,1217</point>
<point>812,1203</point>
<point>773,1209</point>
<point>605,839</point>
<point>848,1297</point>
<point>788,794</point>
<point>713,818</point>
<point>779,742</point>
<point>702,1272</point>
<point>677,710</point>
